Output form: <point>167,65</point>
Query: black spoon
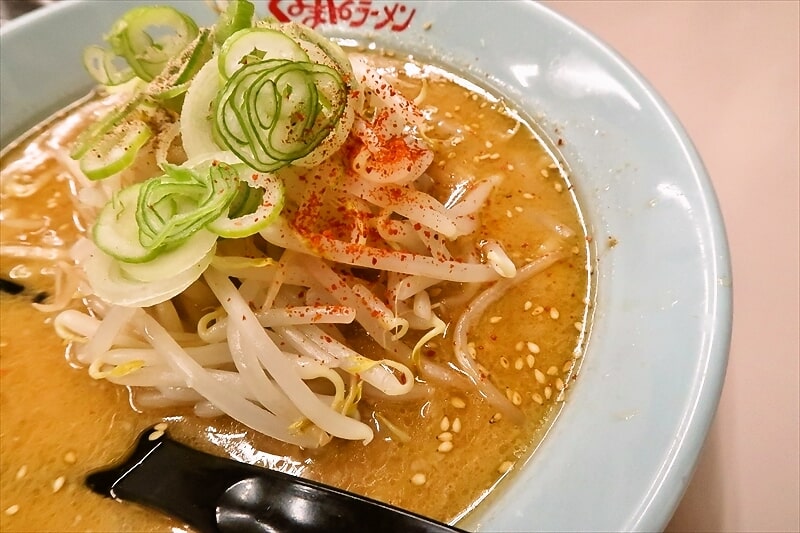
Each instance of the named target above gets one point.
<point>218,495</point>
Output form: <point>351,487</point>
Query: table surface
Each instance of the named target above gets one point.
<point>730,71</point>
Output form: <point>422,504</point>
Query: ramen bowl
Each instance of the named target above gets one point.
<point>624,446</point>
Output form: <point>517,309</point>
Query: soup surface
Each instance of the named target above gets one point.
<point>58,423</point>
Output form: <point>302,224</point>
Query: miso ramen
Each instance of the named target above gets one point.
<point>387,292</point>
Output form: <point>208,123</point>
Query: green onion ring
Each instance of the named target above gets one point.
<point>273,112</point>
<point>147,53</point>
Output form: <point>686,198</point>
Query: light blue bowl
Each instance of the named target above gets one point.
<point>622,452</point>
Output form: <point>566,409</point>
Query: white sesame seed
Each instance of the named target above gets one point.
<point>496,418</point>
<point>567,366</point>
<point>552,371</point>
<point>544,173</point>
<point>488,144</point>
<point>161,426</point>
<point>444,436</point>
<point>519,346</point>
<point>448,114</point>
<point>552,166</point>
<point>457,425</point>
<point>578,326</point>
<point>504,361</point>
<point>58,483</point>
<point>508,213</point>
<point>419,479</point>
<point>539,376</point>
<point>445,447</point>
<point>533,347</point>
<point>510,167</point>
<point>528,305</point>
<point>504,467</point>
<point>548,392</point>
<point>495,319</point>
<point>70,458</point>
<point>457,108</point>
<point>458,402</point>
<point>559,384</point>
<point>22,471</point>
<point>519,363</point>
<point>444,425</point>
<point>554,314</point>
<point>537,398</point>
<point>530,360</point>
<point>538,310</point>
<point>14,509</point>
<point>516,398</point>
<point>527,196</point>
<point>155,435</point>
<point>428,25</point>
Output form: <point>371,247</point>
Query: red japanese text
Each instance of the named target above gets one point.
<point>354,13</point>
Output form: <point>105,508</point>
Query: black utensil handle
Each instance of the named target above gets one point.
<point>218,495</point>
<point>14,288</point>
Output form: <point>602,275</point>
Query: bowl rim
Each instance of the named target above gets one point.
<point>657,504</point>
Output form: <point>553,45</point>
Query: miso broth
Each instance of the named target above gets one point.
<point>58,424</point>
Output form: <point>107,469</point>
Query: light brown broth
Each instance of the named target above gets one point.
<point>51,411</point>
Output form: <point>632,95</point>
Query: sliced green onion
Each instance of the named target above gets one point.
<point>112,144</point>
<point>318,47</point>
<point>111,280</point>
<point>176,205</point>
<point>237,16</point>
<point>275,111</point>
<point>99,62</point>
<point>174,80</point>
<point>256,44</point>
<point>171,262</point>
<point>92,135</point>
<point>148,219</point>
<point>258,209</point>
<point>197,133</point>
<point>116,150</point>
<point>115,231</point>
<point>246,201</point>
<point>149,36</point>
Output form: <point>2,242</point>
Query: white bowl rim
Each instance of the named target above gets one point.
<point>669,475</point>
